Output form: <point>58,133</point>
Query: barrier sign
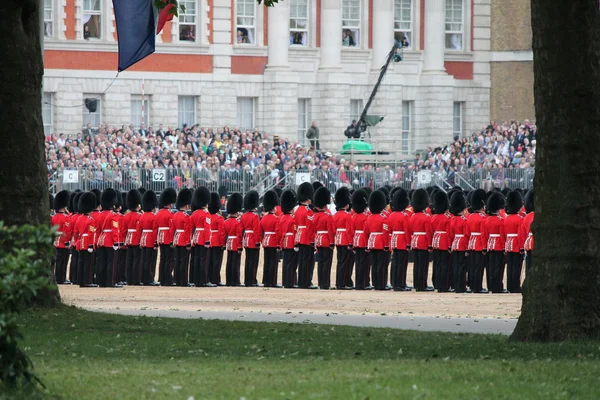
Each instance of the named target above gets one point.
<point>302,177</point>
<point>159,175</point>
<point>70,176</point>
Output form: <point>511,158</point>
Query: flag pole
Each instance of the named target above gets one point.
<point>143,108</point>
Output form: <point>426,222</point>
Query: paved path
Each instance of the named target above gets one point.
<point>444,324</point>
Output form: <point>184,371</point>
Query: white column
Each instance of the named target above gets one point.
<point>279,35</point>
<point>383,31</point>
<point>435,18</point>
<point>331,34</point>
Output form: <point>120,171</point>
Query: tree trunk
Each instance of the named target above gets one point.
<point>23,176</point>
<point>561,294</point>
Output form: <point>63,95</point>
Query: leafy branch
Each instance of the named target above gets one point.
<point>268,3</point>
<point>174,7</point>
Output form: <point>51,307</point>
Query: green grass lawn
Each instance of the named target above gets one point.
<point>85,355</point>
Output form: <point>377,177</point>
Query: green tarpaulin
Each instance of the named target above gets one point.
<point>357,146</point>
<point>372,120</point>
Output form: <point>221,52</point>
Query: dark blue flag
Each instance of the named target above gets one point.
<point>136,31</point>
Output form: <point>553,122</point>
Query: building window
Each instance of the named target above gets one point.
<point>92,110</point>
<point>407,118</point>
<point>457,119</point>
<point>454,24</point>
<point>303,120</point>
<point>92,19</point>
<point>246,21</point>
<point>47,113</point>
<point>299,22</point>
<point>356,107</point>
<point>351,23</point>
<point>187,21</point>
<point>187,110</point>
<point>139,111</point>
<point>48,11</point>
<point>245,113</point>
<point>403,25</point>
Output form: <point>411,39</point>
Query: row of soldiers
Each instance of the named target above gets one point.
<point>115,238</point>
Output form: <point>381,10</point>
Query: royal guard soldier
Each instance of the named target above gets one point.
<point>62,221</point>
<point>108,239</point>
<point>421,238</point>
<point>182,224</point>
<point>252,237</point>
<point>201,238</point>
<point>376,231</point>
<point>493,235</point>
<point>288,234</point>
<point>232,235</point>
<point>130,222</point>
<point>476,246</point>
<point>305,236</point>
<point>164,219</point>
<point>359,241</point>
<point>441,243</point>
<point>73,217</point>
<point>217,240</point>
<point>145,269</point>
<point>84,233</point>
<point>513,242</point>
<point>526,233</point>
<point>121,252</point>
<point>459,237</point>
<point>342,221</point>
<point>399,228</point>
<point>324,236</point>
<point>278,210</point>
<point>271,240</point>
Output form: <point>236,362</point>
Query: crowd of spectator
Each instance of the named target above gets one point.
<point>118,155</point>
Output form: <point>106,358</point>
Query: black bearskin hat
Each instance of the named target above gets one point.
<point>316,185</point>
<point>429,190</point>
<point>322,197</point>
<point>389,188</point>
<point>270,200</point>
<point>529,201</point>
<point>167,196</point>
<point>306,191</point>
<point>386,192</point>
<point>61,200</point>
<point>496,202</point>
<point>222,191</point>
<point>215,203</point>
<point>50,201</point>
<point>440,202</point>
<point>149,201</point>
<point>87,203</point>
<point>359,201</point>
<point>506,191</point>
<point>234,203</point>
<point>377,201</point>
<point>342,197</point>
<point>141,190</point>
<point>98,194</point>
<point>200,198</point>
<point>410,193</point>
<point>133,199</point>
<point>72,202</point>
<point>278,191</point>
<point>109,199</point>
<point>184,198</point>
<point>368,190</point>
<point>514,202</point>
<point>400,200</point>
<point>119,199</point>
<point>478,199</point>
<point>420,200</point>
<point>458,203</point>
<point>288,201</point>
<point>251,200</point>
<point>76,201</point>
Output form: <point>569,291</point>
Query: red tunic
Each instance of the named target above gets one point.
<point>99,221</point>
<point>278,211</point>
<point>357,233</point>
<point>217,237</point>
<point>130,225</point>
<point>288,231</point>
<point>109,229</point>
<point>232,228</point>
<point>75,235</point>
<point>398,222</point>
<point>324,229</point>
<point>459,233</point>
<point>377,232</point>
<point>85,229</point>
<point>420,231</point>
<point>342,221</point>
<point>512,227</point>
<point>526,232</point>
<point>252,230</point>
<point>182,225</point>
<point>475,222</point>
<point>164,219</point>
<point>440,225</point>
<point>269,226</point>
<point>522,212</point>
<point>201,226</point>
<point>493,233</point>
<point>305,233</point>
<point>65,229</point>
<point>148,229</point>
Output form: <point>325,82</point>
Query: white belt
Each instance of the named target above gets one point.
<point>358,231</point>
<point>301,226</point>
<point>322,232</point>
<point>438,232</point>
<point>289,234</point>
<point>147,231</point>
<point>85,234</point>
<point>512,235</point>
<point>494,235</point>
<point>248,232</point>
<point>198,229</point>
<point>376,233</point>
<point>130,230</point>
<point>475,233</point>
<point>163,229</point>
<point>530,234</point>
<point>419,233</point>
<point>459,236</point>
<point>59,233</point>
<point>179,230</point>
<point>398,233</point>
<point>341,230</point>
<point>215,230</point>
<point>231,237</point>
<point>107,231</point>
<point>271,233</point>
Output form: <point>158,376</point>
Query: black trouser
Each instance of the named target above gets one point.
<point>459,271</point>
<point>324,261</point>
<point>495,271</point>
<point>514,267</point>
<point>345,263</point>
<point>441,260</point>
<point>215,257</point>
<point>379,267</point>
<point>62,260</point>
<point>232,269</point>
<point>147,263</point>
<point>315,143</point>
<point>290,267</point>
<point>398,274</point>
<point>120,265</point>
<point>200,267</point>
<point>182,257</point>
<point>420,269</point>
<point>165,267</point>
<point>270,264</point>
<point>105,268</point>
<point>74,268</point>
<point>251,266</point>
<point>362,267</point>
<point>476,270</point>
<point>306,265</point>
<point>133,260</point>
<point>86,267</point>
<point>528,262</point>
